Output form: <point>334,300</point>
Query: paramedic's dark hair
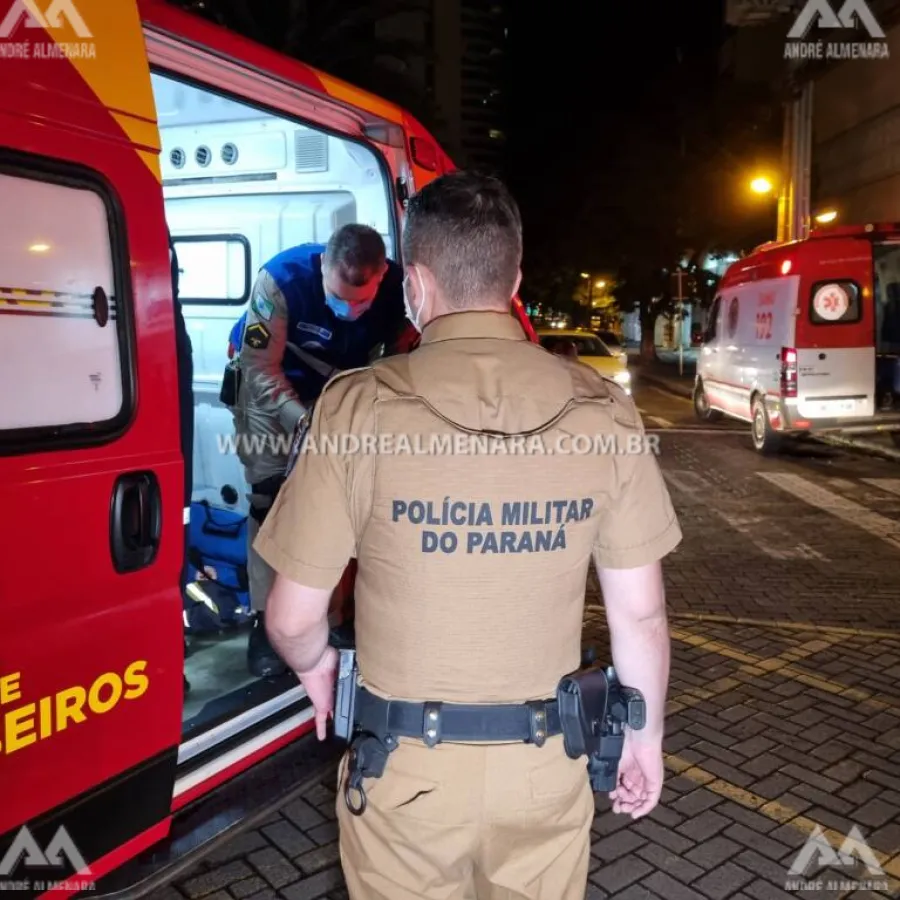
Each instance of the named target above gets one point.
<point>466,228</point>
<point>356,252</point>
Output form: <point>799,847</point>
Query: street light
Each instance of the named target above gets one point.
<point>600,285</point>
<point>761,185</point>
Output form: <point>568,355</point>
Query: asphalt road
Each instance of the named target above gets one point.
<point>784,711</point>
<point>661,409</point>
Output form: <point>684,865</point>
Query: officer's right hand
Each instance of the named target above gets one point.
<point>641,774</point>
<point>319,684</point>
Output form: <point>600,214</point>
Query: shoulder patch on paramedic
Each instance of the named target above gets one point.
<point>263,307</point>
<point>257,336</point>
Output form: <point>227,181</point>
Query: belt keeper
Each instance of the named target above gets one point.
<point>431,724</point>
<point>537,722</point>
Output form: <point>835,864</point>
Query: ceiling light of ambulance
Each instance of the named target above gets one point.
<point>39,248</point>
<point>786,267</point>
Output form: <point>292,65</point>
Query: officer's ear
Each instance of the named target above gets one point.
<point>518,283</point>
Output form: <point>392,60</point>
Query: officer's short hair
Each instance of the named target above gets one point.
<point>467,229</point>
<point>356,252</point>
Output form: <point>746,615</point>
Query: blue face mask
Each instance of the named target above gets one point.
<point>344,310</point>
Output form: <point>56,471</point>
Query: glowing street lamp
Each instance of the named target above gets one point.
<point>761,185</point>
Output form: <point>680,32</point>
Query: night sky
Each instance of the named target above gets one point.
<point>601,99</point>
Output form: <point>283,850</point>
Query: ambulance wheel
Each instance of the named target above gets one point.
<point>702,409</point>
<point>765,438</point>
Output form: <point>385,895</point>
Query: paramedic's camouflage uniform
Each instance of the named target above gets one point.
<point>276,387</point>
<point>470,589</point>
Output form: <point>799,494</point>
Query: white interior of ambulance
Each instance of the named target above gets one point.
<point>240,186</point>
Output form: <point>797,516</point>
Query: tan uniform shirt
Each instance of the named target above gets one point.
<point>472,561</point>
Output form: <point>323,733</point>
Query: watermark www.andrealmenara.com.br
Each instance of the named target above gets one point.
<point>444,445</point>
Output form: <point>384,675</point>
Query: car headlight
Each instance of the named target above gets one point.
<point>622,377</point>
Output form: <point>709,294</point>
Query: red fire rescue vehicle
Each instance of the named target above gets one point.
<point>120,121</point>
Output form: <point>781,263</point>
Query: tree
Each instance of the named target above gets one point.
<point>369,44</point>
<point>551,285</point>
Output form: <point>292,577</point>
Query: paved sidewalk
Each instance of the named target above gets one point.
<point>784,713</point>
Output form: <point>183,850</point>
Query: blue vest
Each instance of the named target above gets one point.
<point>313,327</point>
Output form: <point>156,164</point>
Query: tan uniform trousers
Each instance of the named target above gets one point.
<point>470,822</point>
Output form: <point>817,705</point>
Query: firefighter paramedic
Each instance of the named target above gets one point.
<point>314,310</point>
<point>471,581</point>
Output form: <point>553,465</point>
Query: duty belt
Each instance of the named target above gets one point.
<point>375,724</point>
<point>591,710</point>
<point>530,722</point>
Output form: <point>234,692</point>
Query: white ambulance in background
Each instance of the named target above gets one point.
<point>804,338</point>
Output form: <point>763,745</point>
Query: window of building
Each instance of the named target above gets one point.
<point>65,364</point>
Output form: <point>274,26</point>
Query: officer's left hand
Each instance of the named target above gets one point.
<point>641,774</point>
<point>319,684</point>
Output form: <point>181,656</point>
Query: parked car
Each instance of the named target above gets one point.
<point>589,349</point>
<point>611,339</point>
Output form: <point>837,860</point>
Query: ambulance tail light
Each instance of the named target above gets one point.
<point>788,372</point>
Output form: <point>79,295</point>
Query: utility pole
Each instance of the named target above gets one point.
<point>794,201</point>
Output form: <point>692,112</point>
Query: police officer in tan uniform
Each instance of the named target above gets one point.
<point>471,575</point>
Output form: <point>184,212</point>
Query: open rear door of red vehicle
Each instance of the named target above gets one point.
<point>90,462</point>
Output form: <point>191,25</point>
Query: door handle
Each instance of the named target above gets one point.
<point>135,521</point>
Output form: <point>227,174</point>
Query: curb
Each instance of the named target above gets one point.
<point>862,446</point>
<point>675,389</point>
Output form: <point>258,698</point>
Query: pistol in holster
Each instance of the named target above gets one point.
<point>594,709</point>
<point>368,753</point>
<point>231,384</point>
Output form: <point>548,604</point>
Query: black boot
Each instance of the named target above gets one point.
<point>262,660</point>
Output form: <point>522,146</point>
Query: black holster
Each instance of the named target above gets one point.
<point>231,385</point>
<point>368,753</point>
<point>594,710</point>
<point>269,487</point>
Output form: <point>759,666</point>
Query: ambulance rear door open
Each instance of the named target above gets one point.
<point>252,164</point>
<point>91,473</point>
